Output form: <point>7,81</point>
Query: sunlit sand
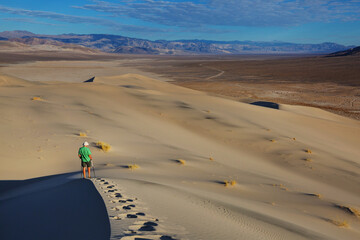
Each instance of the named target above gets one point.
<point>171,162</point>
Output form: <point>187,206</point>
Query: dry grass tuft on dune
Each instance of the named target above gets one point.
<point>82,134</point>
<point>37,99</point>
<point>308,151</point>
<point>132,166</point>
<point>181,161</point>
<point>353,211</point>
<point>281,186</point>
<point>339,223</point>
<point>318,195</point>
<point>229,183</point>
<point>103,146</point>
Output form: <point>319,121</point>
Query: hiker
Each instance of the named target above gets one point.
<point>85,156</point>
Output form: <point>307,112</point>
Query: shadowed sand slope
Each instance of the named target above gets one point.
<point>206,167</point>
<point>54,207</point>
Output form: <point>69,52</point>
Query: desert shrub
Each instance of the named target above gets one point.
<point>82,134</point>
<point>318,195</point>
<point>37,99</point>
<point>228,183</point>
<point>353,211</point>
<point>339,223</point>
<point>281,186</point>
<point>132,166</point>
<point>181,161</point>
<point>103,146</point>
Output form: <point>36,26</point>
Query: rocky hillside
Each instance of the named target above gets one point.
<point>30,44</point>
<point>349,52</point>
<point>121,44</point>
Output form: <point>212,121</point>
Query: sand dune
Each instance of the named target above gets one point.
<point>57,207</point>
<point>295,170</point>
<point>10,81</point>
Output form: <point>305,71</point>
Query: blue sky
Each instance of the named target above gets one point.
<point>299,21</point>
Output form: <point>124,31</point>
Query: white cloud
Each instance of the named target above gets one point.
<point>76,19</point>
<point>232,12</point>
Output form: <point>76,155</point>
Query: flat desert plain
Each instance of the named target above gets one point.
<point>329,83</point>
<point>170,162</point>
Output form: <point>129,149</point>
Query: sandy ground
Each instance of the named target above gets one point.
<point>295,170</point>
<point>339,99</point>
<point>328,83</point>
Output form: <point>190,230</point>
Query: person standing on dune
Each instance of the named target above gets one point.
<point>85,156</point>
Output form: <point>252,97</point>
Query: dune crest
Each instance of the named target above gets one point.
<point>8,81</point>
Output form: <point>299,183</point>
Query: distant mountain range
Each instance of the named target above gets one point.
<point>120,44</point>
<point>31,44</point>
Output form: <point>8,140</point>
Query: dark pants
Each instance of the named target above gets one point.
<point>86,164</point>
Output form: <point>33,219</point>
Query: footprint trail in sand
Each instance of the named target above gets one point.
<point>128,218</point>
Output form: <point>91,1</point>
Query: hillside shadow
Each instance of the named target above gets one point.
<point>90,80</point>
<point>266,104</point>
